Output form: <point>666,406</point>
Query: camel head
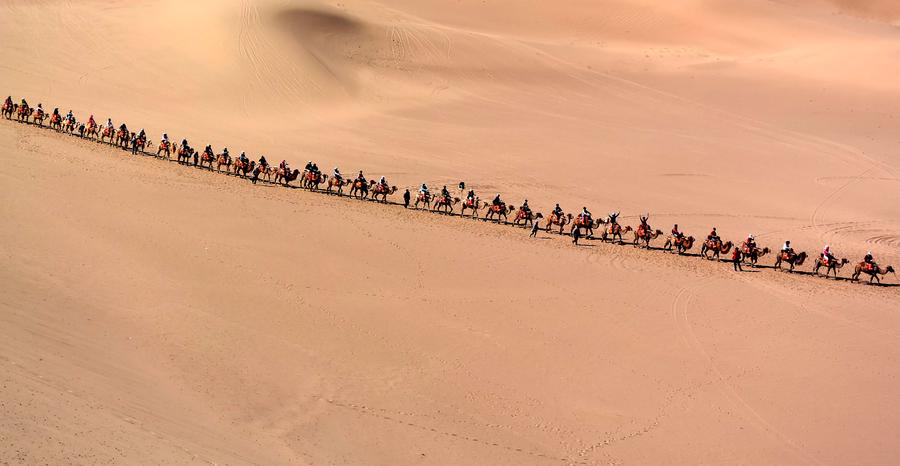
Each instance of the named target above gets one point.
<point>456,200</point>
<point>393,190</point>
<point>510,209</point>
<point>539,215</point>
<point>627,229</point>
<point>764,251</point>
<point>569,216</point>
<point>889,269</point>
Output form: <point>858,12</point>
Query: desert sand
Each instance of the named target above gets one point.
<point>152,313</point>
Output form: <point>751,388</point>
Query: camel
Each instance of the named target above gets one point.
<point>681,244</point>
<point>70,125</point>
<point>312,180</point>
<point>583,223</point>
<point>8,110</point>
<point>716,247</point>
<point>22,113</point>
<point>830,265</point>
<point>164,147</point>
<point>752,255</point>
<point>359,188</point>
<point>500,210</point>
<point>138,144</point>
<point>645,235</point>
<point>122,137</point>
<point>38,117</point>
<point>424,198</point>
<point>265,170</point>
<point>525,216</point>
<point>336,183</point>
<point>613,231</point>
<point>794,260</point>
<point>562,221</point>
<point>379,189</point>
<point>207,158</point>
<point>472,204</point>
<point>444,204</point>
<point>92,132</point>
<point>242,169</point>
<point>872,271</point>
<point>56,121</point>
<point>184,154</point>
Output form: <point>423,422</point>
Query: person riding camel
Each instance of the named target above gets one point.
<point>40,109</point>
<point>676,233</point>
<point>226,154</point>
<point>713,236</point>
<point>470,196</point>
<point>423,189</point>
<point>869,261</point>
<point>263,163</point>
<point>91,121</point>
<point>109,124</point>
<point>751,243</point>
<point>337,174</point>
<point>445,193</point>
<point>123,128</point>
<point>8,102</point>
<point>165,139</point>
<point>142,134</point>
<point>308,166</point>
<point>585,214</point>
<point>315,168</point>
<point>70,116</point>
<point>826,255</point>
<point>497,202</point>
<point>184,144</point>
<point>786,249</point>
<point>383,182</point>
<point>614,217</point>
<point>525,207</point>
<point>360,178</point>
<point>56,111</point>
<point>558,212</point>
<point>244,160</point>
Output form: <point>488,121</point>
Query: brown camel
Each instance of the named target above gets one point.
<point>500,210</point>
<point>583,223</point>
<point>184,154</point>
<point>715,247</point>
<point>223,160</point>
<point>525,217</point>
<point>682,244</point>
<point>207,158</point>
<point>312,180</point>
<point>22,113</point>
<point>378,189</point>
<point>645,235</point>
<point>281,176</point>
<point>444,204</point>
<point>359,189</point>
<point>561,221</point>
<point>56,121</point>
<point>790,258</point>
<point>8,110</point>
<point>122,138</point>
<point>751,255</point>
<point>830,265</point>
<point>38,116</point>
<point>164,147</point>
<point>70,125</point>
<point>138,143</point>
<point>472,204</point>
<point>614,230</point>
<point>91,131</point>
<point>872,270</point>
<point>335,183</point>
<point>107,133</point>
<point>266,171</point>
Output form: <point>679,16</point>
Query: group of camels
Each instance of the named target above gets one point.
<point>610,230</point>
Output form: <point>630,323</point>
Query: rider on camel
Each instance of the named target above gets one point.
<point>56,111</point>
<point>109,124</point>
<point>445,193</point>
<point>70,116</point>
<point>165,138</point>
<point>751,243</point>
<point>423,189</point>
<point>184,144</point>
<point>614,217</point>
<point>361,178</point>
<point>337,174</point>
<point>244,160</point>
<point>826,254</point>
<point>787,249</point>
<point>869,261</point>
<point>676,233</point>
<point>383,182</point>
<point>315,168</point>
<point>308,166</point>
<point>123,128</point>
<point>525,207</point>
<point>142,134</point>
<point>713,236</point>
<point>470,196</point>
<point>91,121</point>
<point>263,162</point>
<point>558,212</point>
<point>226,154</point>
<point>497,202</point>
<point>585,214</point>
<point>8,102</point>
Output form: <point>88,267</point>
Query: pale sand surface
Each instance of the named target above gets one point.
<point>158,314</point>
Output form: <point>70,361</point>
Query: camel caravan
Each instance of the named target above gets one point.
<point>582,225</point>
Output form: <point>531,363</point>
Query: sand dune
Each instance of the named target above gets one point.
<point>154,313</point>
